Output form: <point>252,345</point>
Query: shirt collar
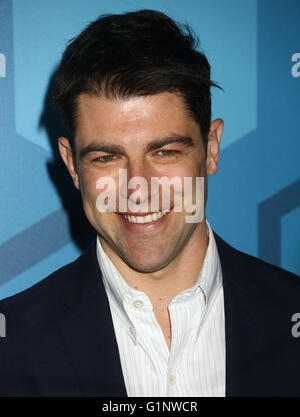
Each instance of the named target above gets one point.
<point>208,282</point>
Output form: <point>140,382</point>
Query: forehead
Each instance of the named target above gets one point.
<point>134,120</point>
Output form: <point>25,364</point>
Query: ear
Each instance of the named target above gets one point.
<point>69,159</point>
<point>213,146</point>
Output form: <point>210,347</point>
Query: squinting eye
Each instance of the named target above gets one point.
<point>167,152</point>
<point>105,158</point>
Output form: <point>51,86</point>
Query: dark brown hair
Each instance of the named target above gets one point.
<point>135,54</point>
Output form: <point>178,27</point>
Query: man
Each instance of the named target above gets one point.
<point>158,305</point>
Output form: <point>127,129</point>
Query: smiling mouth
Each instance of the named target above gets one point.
<point>149,218</point>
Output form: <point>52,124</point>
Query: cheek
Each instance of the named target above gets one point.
<point>181,171</point>
<point>191,171</point>
<point>99,192</point>
<point>88,183</point>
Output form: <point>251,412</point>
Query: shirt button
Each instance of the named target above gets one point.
<point>138,304</point>
<point>172,380</point>
<point>131,329</point>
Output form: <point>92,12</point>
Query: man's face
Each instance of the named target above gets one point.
<point>149,136</point>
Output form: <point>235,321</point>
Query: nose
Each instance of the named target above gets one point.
<point>135,185</point>
<point>139,167</point>
<point>139,179</point>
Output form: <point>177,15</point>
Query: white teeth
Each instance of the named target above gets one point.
<point>154,216</point>
<point>145,219</point>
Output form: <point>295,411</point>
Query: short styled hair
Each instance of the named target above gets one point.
<point>140,53</point>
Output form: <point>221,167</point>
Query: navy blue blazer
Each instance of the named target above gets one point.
<point>60,339</point>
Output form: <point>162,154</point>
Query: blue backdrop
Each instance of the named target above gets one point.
<point>254,200</point>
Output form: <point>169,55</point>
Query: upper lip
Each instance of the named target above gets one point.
<point>138,213</point>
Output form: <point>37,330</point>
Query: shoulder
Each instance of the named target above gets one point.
<point>46,297</point>
<point>253,271</point>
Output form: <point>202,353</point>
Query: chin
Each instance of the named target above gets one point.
<point>146,266</point>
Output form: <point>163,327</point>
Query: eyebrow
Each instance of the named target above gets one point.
<point>117,149</point>
<point>181,140</point>
<point>99,147</point>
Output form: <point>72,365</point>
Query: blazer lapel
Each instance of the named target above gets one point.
<point>88,332</point>
<point>243,335</point>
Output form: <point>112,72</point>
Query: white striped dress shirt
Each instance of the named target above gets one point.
<point>195,364</point>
